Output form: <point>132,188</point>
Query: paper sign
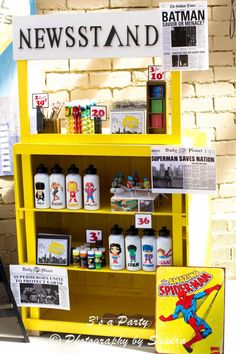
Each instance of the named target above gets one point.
<point>143,221</point>
<point>40,100</point>
<point>98,111</point>
<point>156,73</point>
<point>93,235</point>
<point>184,32</point>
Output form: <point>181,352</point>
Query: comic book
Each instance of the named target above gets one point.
<point>190,310</point>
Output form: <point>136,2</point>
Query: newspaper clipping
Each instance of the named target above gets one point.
<point>36,286</point>
<point>185,35</point>
<point>183,170</point>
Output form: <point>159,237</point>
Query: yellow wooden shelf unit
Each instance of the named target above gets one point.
<point>95,293</point>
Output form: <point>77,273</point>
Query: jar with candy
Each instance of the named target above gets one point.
<point>98,260</point>
<point>83,259</point>
<point>91,260</point>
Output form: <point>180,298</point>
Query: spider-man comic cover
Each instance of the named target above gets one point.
<point>189,310</point>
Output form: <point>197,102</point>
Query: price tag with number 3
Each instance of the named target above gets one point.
<point>143,221</point>
<point>93,235</point>
<point>156,73</point>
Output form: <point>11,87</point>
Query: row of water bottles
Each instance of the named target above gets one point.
<point>135,253</point>
<point>58,192</point>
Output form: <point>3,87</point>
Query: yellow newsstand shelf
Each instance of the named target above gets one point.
<point>84,329</point>
<point>105,269</point>
<point>163,211</point>
<point>97,304</point>
<point>98,292</point>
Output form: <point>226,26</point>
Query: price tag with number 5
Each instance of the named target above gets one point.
<point>93,235</point>
<point>143,221</point>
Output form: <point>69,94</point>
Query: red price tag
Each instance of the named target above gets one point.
<point>40,100</point>
<point>143,221</point>
<point>156,73</point>
<point>93,235</point>
<point>98,111</point>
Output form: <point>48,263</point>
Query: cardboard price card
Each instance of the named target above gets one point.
<point>189,310</point>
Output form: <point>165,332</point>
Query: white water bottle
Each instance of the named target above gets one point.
<point>164,247</point>
<point>41,187</point>
<point>57,188</point>
<point>149,260</point>
<point>133,249</point>
<point>117,248</point>
<point>91,189</point>
<point>73,188</point>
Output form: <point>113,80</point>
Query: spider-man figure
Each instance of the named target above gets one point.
<point>187,305</point>
<point>89,189</point>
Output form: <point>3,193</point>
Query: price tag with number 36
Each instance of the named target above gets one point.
<point>143,221</point>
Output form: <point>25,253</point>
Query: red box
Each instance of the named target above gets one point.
<point>156,121</point>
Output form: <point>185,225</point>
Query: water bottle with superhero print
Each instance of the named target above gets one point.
<point>149,260</point>
<point>57,188</point>
<point>117,248</point>
<point>133,249</point>
<point>91,189</point>
<point>73,188</point>
<point>41,185</point>
<point>164,247</point>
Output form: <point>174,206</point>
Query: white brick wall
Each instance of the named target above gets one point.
<point>198,76</point>
<point>104,95</point>
<point>131,63</point>
<point>51,5</point>
<point>130,3</point>
<point>204,104</point>
<point>110,79</point>
<point>215,89</point>
<point>87,5</point>
<point>90,65</point>
<point>221,58</point>
<point>209,104</point>
<point>217,120</point>
<point>63,81</point>
<point>225,73</point>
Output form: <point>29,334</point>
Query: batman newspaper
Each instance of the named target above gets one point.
<point>184,28</point>
<point>36,286</point>
<point>178,169</point>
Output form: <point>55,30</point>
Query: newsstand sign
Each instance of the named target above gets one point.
<point>88,35</point>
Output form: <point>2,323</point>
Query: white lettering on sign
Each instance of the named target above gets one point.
<point>89,35</point>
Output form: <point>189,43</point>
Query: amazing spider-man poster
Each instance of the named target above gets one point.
<point>190,310</point>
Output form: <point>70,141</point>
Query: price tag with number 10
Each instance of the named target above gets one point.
<point>156,73</point>
<point>143,221</point>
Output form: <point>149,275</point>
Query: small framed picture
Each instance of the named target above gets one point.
<point>53,249</point>
<point>128,122</point>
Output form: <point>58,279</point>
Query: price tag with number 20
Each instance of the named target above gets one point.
<point>98,111</point>
<point>143,221</point>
